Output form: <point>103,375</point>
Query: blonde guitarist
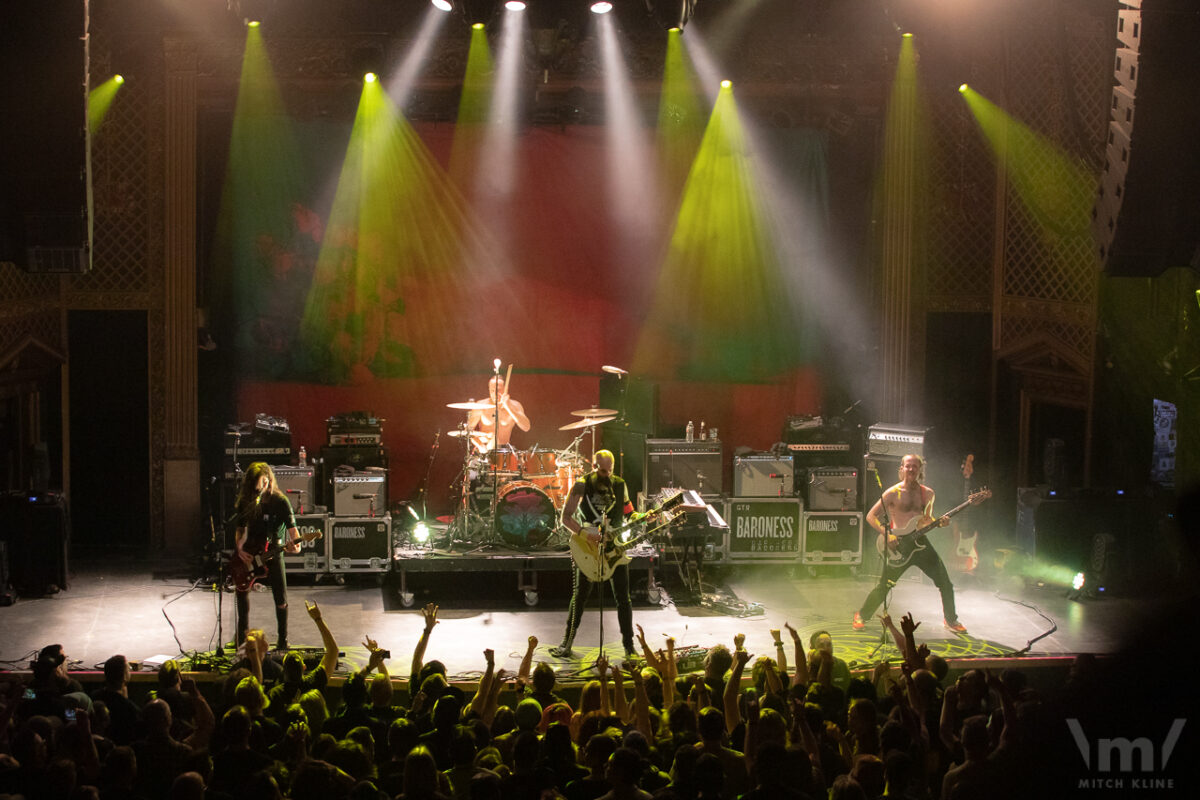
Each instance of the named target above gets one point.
<point>905,502</point>
<point>597,503</point>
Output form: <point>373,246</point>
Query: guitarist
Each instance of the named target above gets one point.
<point>599,499</point>
<point>263,516</point>
<point>905,501</point>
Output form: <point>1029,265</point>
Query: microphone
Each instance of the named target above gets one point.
<point>364,496</point>
<point>295,491</point>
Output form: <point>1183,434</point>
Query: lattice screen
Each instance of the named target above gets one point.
<point>43,324</point>
<point>119,179</point>
<point>17,285</point>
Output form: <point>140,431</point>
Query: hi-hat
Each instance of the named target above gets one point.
<point>586,422</point>
<point>594,412</point>
<point>471,406</point>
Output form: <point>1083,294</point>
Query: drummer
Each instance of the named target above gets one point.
<point>512,413</point>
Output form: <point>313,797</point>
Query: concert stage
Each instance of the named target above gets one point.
<point>118,606</point>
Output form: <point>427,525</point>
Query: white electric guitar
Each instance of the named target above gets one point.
<point>597,560</point>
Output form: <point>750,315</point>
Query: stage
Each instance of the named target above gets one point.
<point>120,606</point>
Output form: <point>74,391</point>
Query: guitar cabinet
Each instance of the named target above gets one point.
<point>833,537</point>
<point>360,544</point>
<point>764,528</point>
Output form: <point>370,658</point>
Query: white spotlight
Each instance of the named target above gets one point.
<point>442,5</point>
<point>420,533</point>
<point>601,8</point>
<point>515,5</point>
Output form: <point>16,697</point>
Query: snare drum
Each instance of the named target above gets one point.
<point>525,515</point>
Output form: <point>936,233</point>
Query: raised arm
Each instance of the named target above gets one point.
<point>602,668</point>
<point>202,716</point>
<point>479,701</point>
<point>780,655</point>
<point>523,671</point>
<point>641,701</point>
<point>885,619</point>
<point>418,660</point>
<point>329,658</point>
<point>670,671</point>
<point>911,650</point>
<point>652,660</point>
<point>733,715</point>
<point>621,703</point>
<point>801,677</point>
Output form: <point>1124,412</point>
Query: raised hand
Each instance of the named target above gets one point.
<point>430,612</point>
<point>489,656</point>
<point>741,658</point>
<point>775,632</point>
<point>907,625</point>
<point>533,642</point>
<point>922,652</point>
<point>795,634</point>
<point>370,644</point>
<point>886,619</point>
<point>313,610</point>
<point>739,639</point>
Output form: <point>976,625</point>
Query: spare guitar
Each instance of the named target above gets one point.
<point>598,560</point>
<point>911,538</point>
<point>966,556</point>
<point>244,575</point>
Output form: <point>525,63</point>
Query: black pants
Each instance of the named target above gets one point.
<point>277,577</point>
<point>583,591</point>
<point>929,562</point>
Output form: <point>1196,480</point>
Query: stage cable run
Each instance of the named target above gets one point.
<point>1029,645</point>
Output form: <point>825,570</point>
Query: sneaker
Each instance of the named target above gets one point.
<point>562,651</point>
<point>858,623</point>
<point>281,645</point>
<point>955,627</point>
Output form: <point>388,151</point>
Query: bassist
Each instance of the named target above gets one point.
<point>907,500</point>
<point>263,516</point>
<point>599,500</point>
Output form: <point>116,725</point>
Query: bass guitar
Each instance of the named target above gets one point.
<point>244,575</point>
<point>598,560</point>
<point>911,538</point>
<point>966,557</point>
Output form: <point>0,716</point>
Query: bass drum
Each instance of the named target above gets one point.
<point>525,516</point>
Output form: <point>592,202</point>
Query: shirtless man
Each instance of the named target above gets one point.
<point>512,414</point>
<point>906,500</point>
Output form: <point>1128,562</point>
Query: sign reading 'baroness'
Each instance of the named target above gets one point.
<point>766,526</point>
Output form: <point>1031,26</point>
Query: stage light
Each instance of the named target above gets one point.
<point>676,29</point>
<point>119,79</point>
<point>908,36</point>
<point>442,5</point>
<point>726,84</point>
<point>515,5</point>
<point>962,88</point>
<point>601,8</point>
<point>420,533</point>
<point>369,77</point>
<point>672,13</point>
<point>478,26</point>
<point>1077,581</point>
<point>253,23</point>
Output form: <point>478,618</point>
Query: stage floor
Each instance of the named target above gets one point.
<point>119,606</point>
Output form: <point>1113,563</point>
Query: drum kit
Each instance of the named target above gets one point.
<point>515,497</point>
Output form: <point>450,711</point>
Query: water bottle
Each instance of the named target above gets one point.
<point>303,456</point>
<point>691,431</point>
<point>703,436</point>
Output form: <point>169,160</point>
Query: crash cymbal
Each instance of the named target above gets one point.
<point>586,422</point>
<point>594,412</point>
<point>614,370</point>
<point>470,406</point>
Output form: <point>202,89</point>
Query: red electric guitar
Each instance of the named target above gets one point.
<point>244,575</point>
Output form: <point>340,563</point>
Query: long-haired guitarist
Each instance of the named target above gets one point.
<point>600,501</point>
<point>264,515</point>
<point>905,502</point>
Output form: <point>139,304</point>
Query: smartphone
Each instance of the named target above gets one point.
<point>69,715</point>
<point>30,694</point>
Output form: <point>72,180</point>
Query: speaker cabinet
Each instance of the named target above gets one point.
<point>679,464</point>
<point>637,398</point>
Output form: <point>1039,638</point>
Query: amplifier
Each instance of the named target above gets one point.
<point>886,439</point>
<point>354,428</point>
<point>360,544</point>
<point>680,464</point>
<point>300,486</point>
<point>832,537</point>
<point>832,489</point>
<point>764,529</point>
<point>359,495</point>
<point>763,476</point>
<point>313,556</point>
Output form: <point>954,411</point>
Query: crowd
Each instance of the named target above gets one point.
<point>801,727</point>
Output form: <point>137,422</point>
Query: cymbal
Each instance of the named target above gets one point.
<point>471,406</point>
<point>594,412</point>
<point>614,370</point>
<point>586,422</point>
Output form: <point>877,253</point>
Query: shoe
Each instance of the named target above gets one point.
<point>955,627</point>
<point>858,623</point>
<point>562,651</point>
<point>281,645</point>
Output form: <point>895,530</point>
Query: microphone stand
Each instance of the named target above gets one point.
<point>423,490</point>
<point>887,527</point>
<point>495,459</point>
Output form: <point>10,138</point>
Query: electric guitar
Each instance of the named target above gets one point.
<point>244,575</point>
<point>911,538</point>
<point>966,557</point>
<point>598,560</point>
